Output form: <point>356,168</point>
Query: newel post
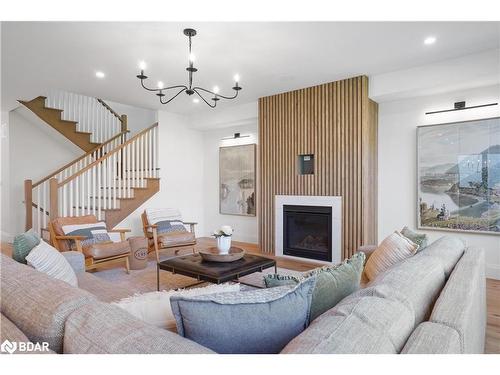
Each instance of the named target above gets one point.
<point>53,212</point>
<point>28,203</point>
<point>124,123</point>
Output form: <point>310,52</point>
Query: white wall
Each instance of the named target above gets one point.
<point>4,178</point>
<point>181,173</point>
<point>397,183</point>
<point>35,150</point>
<point>137,118</point>
<point>245,226</point>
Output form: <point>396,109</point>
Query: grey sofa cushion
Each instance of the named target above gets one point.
<point>415,282</point>
<point>447,250</point>
<point>9,331</point>
<point>357,326</point>
<point>38,304</point>
<point>462,303</point>
<point>102,328</point>
<point>257,321</point>
<point>433,338</point>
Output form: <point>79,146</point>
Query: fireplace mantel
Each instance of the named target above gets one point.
<point>335,202</point>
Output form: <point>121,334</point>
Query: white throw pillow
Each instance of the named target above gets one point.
<point>154,307</point>
<point>393,249</point>
<point>46,259</point>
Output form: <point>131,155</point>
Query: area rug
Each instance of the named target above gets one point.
<point>141,281</point>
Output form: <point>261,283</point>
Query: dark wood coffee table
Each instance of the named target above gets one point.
<point>194,266</point>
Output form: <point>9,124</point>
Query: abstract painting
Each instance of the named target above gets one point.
<point>458,174</point>
<point>237,180</point>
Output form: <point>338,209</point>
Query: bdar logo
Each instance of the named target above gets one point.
<point>8,347</point>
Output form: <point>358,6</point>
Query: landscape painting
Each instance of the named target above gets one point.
<point>237,180</point>
<point>459,176</point>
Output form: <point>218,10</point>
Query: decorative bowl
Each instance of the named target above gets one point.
<point>212,254</point>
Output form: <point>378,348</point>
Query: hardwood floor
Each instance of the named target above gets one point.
<point>492,287</point>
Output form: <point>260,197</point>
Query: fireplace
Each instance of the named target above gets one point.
<point>307,232</point>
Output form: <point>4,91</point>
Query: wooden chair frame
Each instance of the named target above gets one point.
<point>151,233</point>
<point>91,263</point>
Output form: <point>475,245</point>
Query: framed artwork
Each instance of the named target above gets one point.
<point>458,176</point>
<point>237,180</point>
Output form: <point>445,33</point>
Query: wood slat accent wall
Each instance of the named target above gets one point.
<point>336,122</point>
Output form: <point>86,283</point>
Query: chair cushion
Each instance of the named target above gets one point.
<point>176,239</point>
<point>38,304</point>
<point>23,244</point>
<point>47,259</point>
<point>257,321</point>
<point>106,250</point>
<point>102,328</point>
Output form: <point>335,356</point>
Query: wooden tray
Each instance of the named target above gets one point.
<point>212,255</point>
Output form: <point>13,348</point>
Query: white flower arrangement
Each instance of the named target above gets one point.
<point>224,231</point>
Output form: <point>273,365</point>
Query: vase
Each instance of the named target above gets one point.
<point>224,244</point>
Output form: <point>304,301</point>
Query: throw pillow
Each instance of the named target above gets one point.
<point>23,244</point>
<point>257,321</point>
<point>154,307</point>
<point>393,249</point>
<point>93,233</point>
<point>46,259</point>
<point>420,239</point>
<point>167,226</point>
<point>333,283</point>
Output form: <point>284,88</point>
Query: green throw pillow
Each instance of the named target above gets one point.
<point>23,244</point>
<point>333,283</point>
<point>419,239</point>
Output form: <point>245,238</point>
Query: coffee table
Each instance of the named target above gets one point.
<point>194,266</point>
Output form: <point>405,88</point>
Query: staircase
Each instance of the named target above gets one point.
<point>113,178</point>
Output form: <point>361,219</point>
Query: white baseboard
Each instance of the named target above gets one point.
<point>493,271</point>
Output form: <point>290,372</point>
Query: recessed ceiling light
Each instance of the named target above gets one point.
<point>196,100</point>
<point>430,40</point>
<point>100,74</point>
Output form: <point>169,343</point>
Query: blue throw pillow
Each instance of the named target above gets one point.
<point>23,244</point>
<point>259,321</point>
<point>168,226</point>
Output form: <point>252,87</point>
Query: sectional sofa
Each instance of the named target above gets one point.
<point>433,302</point>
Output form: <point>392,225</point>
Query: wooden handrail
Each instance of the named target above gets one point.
<point>102,158</point>
<point>79,158</point>
<point>109,109</point>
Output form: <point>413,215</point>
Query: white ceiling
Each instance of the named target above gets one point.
<point>270,57</point>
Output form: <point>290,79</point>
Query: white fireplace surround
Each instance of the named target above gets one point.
<point>335,202</point>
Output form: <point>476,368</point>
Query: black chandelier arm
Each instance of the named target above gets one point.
<point>165,88</point>
<point>217,95</point>
<point>184,88</point>
<point>202,98</point>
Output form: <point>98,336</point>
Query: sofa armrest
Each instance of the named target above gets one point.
<point>367,249</point>
<point>75,259</point>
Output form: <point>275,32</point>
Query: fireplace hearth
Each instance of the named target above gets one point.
<point>307,232</point>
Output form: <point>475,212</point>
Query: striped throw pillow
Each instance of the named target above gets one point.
<point>46,259</point>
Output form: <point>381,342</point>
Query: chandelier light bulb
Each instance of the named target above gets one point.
<point>236,78</point>
<point>192,57</point>
<point>216,89</point>
<point>160,85</point>
<point>142,65</point>
<point>196,100</point>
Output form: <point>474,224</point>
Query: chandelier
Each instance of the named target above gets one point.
<point>189,89</point>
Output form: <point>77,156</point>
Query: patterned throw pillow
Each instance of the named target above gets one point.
<point>167,226</point>
<point>333,284</point>
<point>420,239</point>
<point>23,244</point>
<point>94,233</point>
